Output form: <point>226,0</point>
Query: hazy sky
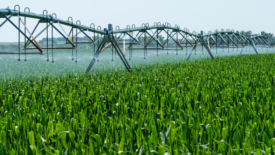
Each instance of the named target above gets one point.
<point>254,15</point>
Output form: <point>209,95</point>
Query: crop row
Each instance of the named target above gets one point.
<point>200,107</point>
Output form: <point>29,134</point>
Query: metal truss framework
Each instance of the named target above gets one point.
<point>219,39</point>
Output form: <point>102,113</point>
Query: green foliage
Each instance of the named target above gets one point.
<point>246,34</point>
<point>225,106</point>
<point>269,35</point>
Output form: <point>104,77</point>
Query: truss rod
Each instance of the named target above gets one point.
<point>22,33</point>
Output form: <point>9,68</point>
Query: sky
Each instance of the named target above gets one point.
<point>196,15</point>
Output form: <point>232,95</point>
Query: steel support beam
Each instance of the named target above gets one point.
<point>231,40</point>
<point>207,47</point>
<point>68,38</point>
<point>238,39</point>
<point>5,21</point>
<point>35,44</point>
<point>28,43</point>
<point>185,39</point>
<point>86,35</point>
<point>158,42</point>
<point>253,45</point>
<point>109,38</point>
<point>220,36</point>
<point>173,39</point>
<point>151,39</point>
<point>194,48</point>
<point>135,39</point>
<point>168,37</point>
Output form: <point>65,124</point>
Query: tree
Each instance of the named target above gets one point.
<point>246,34</point>
<point>269,35</point>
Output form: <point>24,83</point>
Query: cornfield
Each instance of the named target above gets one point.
<point>225,106</point>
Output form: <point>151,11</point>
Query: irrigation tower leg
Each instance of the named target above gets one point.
<point>194,49</point>
<point>95,56</point>
<point>253,45</point>
<point>108,37</point>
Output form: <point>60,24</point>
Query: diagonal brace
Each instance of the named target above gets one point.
<point>173,39</point>
<point>68,39</point>
<point>5,21</point>
<point>22,33</point>
<point>220,36</point>
<point>154,39</point>
<point>231,40</point>
<point>86,35</point>
<point>186,39</point>
<point>253,45</point>
<point>37,35</point>
<point>194,48</point>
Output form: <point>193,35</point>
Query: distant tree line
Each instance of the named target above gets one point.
<point>10,47</point>
<point>269,35</point>
<point>249,33</point>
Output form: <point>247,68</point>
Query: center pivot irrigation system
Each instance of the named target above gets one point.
<point>110,38</point>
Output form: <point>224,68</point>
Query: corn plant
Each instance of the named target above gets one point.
<point>225,106</point>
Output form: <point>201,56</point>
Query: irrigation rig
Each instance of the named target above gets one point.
<point>181,38</point>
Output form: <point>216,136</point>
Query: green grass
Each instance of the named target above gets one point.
<point>201,107</point>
